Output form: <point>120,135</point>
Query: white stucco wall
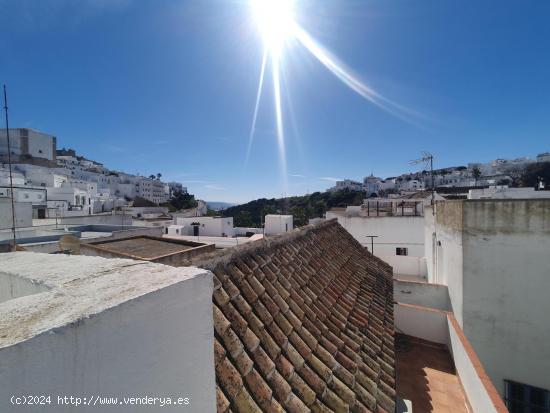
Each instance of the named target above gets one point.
<point>444,236</point>
<point>278,224</point>
<point>506,283</point>
<point>23,214</point>
<point>422,294</point>
<point>478,396</point>
<point>41,145</point>
<point>406,267</point>
<point>392,232</point>
<point>158,344</point>
<point>420,322</point>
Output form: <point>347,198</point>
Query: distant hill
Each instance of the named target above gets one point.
<point>218,206</point>
<point>302,207</point>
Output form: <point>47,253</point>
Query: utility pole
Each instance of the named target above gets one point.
<point>9,163</point>
<point>372,237</point>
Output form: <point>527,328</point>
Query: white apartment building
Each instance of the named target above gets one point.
<point>347,184</point>
<point>27,143</point>
<point>152,189</point>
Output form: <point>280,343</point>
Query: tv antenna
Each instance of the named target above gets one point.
<point>426,158</point>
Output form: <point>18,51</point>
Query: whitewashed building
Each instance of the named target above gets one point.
<point>278,224</point>
<point>347,184</point>
<point>205,226</point>
<point>26,144</point>
<point>493,256</point>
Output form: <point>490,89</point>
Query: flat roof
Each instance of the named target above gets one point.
<point>68,288</point>
<point>146,247</point>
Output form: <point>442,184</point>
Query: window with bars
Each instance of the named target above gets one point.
<point>401,251</point>
<point>522,398</point>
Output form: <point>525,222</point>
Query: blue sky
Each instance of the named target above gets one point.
<point>169,86</point>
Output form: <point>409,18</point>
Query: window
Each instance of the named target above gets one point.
<point>401,251</point>
<point>522,398</point>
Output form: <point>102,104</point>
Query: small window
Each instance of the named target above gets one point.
<point>522,398</point>
<point>401,251</point>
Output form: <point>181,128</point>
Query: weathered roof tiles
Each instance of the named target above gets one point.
<point>303,322</point>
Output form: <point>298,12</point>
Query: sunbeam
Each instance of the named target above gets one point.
<point>343,73</point>
<point>276,24</point>
<point>279,118</point>
<point>256,106</point>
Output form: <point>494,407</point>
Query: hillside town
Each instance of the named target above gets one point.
<point>439,335</point>
<point>274,206</point>
<point>500,172</point>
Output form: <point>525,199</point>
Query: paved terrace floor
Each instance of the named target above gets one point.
<point>426,376</point>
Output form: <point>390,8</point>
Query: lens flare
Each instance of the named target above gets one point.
<point>256,107</point>
<point>279,121</point>
<point>276,24</point>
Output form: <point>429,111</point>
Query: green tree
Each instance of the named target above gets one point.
<point>476,173</point>
<point>244,219</point>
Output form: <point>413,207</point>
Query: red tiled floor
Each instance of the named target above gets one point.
<point>426,376</point>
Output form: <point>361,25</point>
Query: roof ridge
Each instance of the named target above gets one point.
<point>212,260</point>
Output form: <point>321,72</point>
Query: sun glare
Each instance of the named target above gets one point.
<point>275,21</point>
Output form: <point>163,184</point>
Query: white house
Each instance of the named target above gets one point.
<point>372,185</point>
<point>278,224</point>
<point>206,226</point>
<point>70,199</point>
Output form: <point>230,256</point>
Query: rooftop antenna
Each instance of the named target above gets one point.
<point>9,163</point>
<point>427,157</point>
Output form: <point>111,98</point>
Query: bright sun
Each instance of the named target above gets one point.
<point>275,20</point>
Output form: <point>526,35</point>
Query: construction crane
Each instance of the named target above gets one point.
<point>427,157</point>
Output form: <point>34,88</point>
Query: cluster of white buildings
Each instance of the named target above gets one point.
<point>67,184</point>
<point>497,172</point>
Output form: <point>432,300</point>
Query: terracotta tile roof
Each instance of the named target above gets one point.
<point>303,322</point>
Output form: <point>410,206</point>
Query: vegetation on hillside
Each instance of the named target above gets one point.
<point>179,201</point>
<point>535,173</point>
<point>142,202</point>
<point>302,208</point>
